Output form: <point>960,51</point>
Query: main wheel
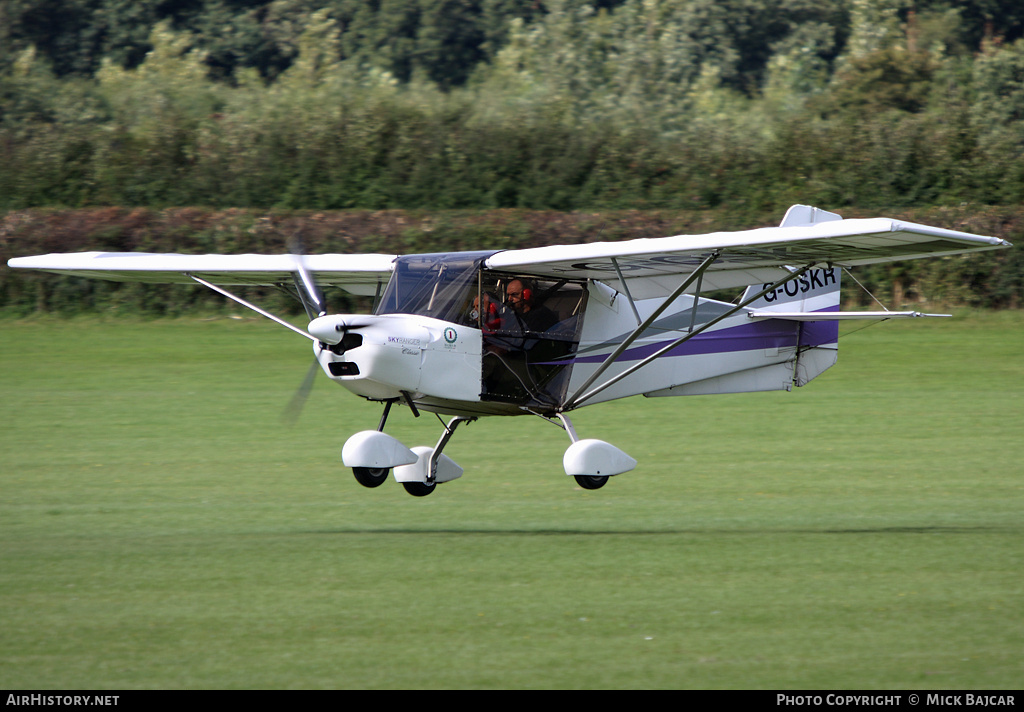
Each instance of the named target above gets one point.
<point>418,489</point>
<point>590,482</point>
<point>370,476</point>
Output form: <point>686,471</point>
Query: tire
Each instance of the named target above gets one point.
<point>590,482</point>
<point>418,489</point>
<point>371,476</point>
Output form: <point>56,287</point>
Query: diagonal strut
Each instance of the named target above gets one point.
<point>578,400</point>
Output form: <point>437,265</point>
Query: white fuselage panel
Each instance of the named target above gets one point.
<point>417,355</point>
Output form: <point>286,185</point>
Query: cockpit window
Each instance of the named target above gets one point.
<point>435,285</point>
<point>530,327</point>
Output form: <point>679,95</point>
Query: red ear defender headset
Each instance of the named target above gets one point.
<point>527,290</point>
<point>491,320</point>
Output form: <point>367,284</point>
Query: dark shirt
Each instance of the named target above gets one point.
<point>538,319</point>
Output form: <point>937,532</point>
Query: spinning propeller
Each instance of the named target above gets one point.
<point>298,402</point>
<point>310,294</point>
<point>312,298</point>
<point>333,332</point>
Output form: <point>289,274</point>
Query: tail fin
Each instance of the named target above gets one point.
<point>815,291</point>
<point>803,215</point>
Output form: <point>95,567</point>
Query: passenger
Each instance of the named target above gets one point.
<point>489,319</point>
<point>502,335</point>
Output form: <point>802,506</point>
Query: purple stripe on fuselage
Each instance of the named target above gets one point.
<point>767,334</point>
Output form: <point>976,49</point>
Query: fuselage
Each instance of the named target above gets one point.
<point>430,343</point>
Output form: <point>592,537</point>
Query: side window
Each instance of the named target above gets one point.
<point>531,328</point>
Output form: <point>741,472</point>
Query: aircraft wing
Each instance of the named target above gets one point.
<point>653,267</point>
<point>358,274</point>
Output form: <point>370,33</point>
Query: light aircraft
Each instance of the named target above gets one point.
<point>544,331</point>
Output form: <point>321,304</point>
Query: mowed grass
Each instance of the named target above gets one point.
<point>160,528</point>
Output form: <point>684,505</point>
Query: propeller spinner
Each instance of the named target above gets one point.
<point>334,329</point>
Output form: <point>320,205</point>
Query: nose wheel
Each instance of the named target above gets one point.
<point>419,489</point>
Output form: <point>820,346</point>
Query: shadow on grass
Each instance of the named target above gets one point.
<point>662,532</point>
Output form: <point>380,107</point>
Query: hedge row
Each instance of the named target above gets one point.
<point>989,280</point>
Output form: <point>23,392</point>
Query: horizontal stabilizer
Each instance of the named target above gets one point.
<point>838,316</point>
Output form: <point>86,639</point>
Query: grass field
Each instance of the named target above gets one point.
<point>161,529</point>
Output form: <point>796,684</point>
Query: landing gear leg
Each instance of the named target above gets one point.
<point>590,482</point>
<point>449,430</point>
<point>384,415</point>
<point>420,478</point>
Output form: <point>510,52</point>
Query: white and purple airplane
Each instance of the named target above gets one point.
<point>544,331</point>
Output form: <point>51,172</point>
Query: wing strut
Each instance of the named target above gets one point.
<point>625,288</point>
<point>250,305</point>
<point>576,400</point>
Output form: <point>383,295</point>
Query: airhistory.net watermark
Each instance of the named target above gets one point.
<point>41,700</point>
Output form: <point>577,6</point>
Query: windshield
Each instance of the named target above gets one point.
<point>441,286</point>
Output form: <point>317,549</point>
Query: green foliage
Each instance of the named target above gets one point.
<point>741,107</point>
<point>889,78</point>
<point>447,104</point>
<point>989,280</point>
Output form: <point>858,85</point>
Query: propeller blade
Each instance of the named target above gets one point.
<point>291,414</point>
<point>309,293</point>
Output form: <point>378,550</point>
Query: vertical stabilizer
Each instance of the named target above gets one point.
<point>804,215</point>
<point>815,291</point>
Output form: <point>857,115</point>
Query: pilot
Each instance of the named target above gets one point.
<point>521,295</point>
<point>531,364</point>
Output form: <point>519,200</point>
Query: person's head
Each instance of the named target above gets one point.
<point>488,317</point>
<point>519,295</point>
<point>475,311</point>
<point>488,313</point>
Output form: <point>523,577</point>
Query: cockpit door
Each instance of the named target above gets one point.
<point>531,329</point>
